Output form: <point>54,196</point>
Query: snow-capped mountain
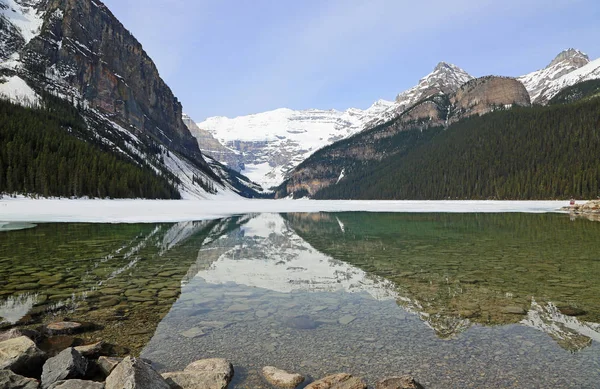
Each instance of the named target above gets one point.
<point>273,143</point>
<point>80,52</point>
<point>269,144</point>
<point>544,84</point>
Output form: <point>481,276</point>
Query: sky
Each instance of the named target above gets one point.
<point>232,58</point>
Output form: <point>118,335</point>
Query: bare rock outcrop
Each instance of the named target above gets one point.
<point>483,95</point>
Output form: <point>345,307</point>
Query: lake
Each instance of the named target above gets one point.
<point>457,300</point>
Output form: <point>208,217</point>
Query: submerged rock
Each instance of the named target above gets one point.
<point>68,364</point>
<point>338,381</point>
<point>133,373</point>
<point>10,380</point>
<point>281,378</point>
<point>21,356</point>
<point>403,382</point>
<point>302,322</point>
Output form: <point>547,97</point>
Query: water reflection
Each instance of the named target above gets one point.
<point>381,294</point>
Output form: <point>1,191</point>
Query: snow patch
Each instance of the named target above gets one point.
<point>15,89</point>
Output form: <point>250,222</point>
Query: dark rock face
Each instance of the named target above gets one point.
<point>66,365</point>
<point>84,50</point>
<point>10,380</point>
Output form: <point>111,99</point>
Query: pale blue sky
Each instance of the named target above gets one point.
<point>230,58</point>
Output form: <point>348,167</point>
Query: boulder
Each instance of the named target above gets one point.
<point>403,382</point>
<point>108,364</point>
<point>133,373</point>
<point>77,384</point>
<point>21,356</point>
<point>218,366</point>
<point>68,364</point>
<point>10,380</point>
<point>213,373</point>
<point>281,378</point>
<point>338,381</point>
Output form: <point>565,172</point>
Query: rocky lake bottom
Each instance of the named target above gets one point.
<point>494,300</point>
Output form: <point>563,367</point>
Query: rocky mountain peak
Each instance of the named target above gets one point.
<point>445,78</point>
<point>573,56</point>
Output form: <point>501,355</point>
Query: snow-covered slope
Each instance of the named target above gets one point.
<point>544,84</point>
<point>20,22</point>
<point>271,143</point>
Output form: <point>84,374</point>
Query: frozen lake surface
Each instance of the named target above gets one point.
<point>161,211</point>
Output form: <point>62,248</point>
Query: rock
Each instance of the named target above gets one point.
<point>344,320</point>
<point>513,310</point>
<point>66,365</point>
<point>186,380</point>
<point>108,364</point>
<point>134,373</point>
<point>21,356</point>
<point>218,366</point>
<point>571,311</point>
<point>63,328</point>
<point>77,384</point>
<point>10,380</point>
<point>338,381</point>
<point>206,373</point>
<point>403,382</point>
<point>91,350</point>
<point>192,333</point>
<point>17,333</point>
<point>239,308</point>
<point>302,322</point>
<point>281,378</point>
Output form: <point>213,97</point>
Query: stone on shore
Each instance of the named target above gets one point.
<point>133,373</point>
<point>217,366</point>
<point>21,356</point>
<point>281,378</point>
<point>10,380</point>
<point>69,364</point>
<point>213,373</point>
<point>403,382</point>
<point>108,364</point>
<point>91,350</point>
<point>77,384</point>
<point>338,381</point>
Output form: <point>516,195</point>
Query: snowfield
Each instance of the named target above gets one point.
<point>154,211</point>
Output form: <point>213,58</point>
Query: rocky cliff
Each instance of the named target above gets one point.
<point>78,50</point>
<point>482,95</point>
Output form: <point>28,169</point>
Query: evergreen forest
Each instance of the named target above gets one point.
<point>42,153</point>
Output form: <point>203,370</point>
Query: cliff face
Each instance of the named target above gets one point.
<point>482,95</point>
<point>475,97</point>
<point>83,50</point>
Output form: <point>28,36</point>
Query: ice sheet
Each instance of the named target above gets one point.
<point>150,211</point>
